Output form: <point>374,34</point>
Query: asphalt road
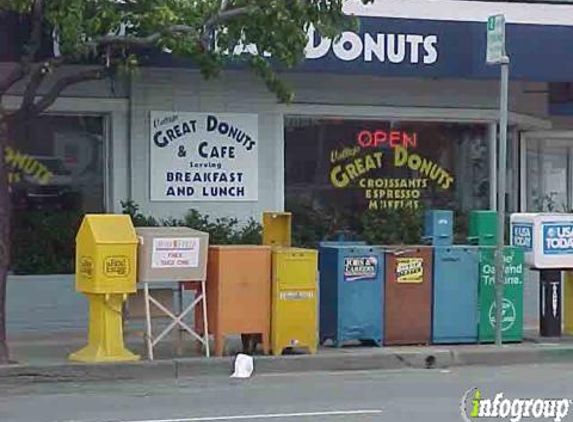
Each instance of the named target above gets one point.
<point>405,395</point>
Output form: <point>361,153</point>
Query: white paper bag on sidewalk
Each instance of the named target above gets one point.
<point>244,366</point>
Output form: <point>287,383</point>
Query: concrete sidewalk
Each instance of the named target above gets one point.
<point>45,360</point>
<point>44,328</point>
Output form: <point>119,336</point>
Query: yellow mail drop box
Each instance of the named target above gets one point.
<point>277,228</point>
<point>106,254</point>
<point>295,303</point>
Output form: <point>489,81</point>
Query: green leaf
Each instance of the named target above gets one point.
<point>276,27</point>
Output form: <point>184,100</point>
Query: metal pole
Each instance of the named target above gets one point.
<point>205,321</point>
<point>148,334</point>
<point>500,264</point>
<point>179,328</point>
<point>493,166</point>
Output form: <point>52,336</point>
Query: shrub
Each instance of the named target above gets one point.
<point>138,219</point>
<point>251,233</point>
<point>222,231</point>
<point>44,242</point>
<point>309,226</point>
<point>392,227</point>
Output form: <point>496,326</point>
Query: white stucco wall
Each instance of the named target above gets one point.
<point>338,95</point>
<point>109,88</point>
<point>127,107</point>
<point>180,90</point>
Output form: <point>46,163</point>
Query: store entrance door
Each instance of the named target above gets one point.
<point>546,172</point>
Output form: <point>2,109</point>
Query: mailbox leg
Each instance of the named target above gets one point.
<point>148,334</point>
<point>105,339</point>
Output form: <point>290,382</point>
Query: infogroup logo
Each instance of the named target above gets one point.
<point>474,406</point>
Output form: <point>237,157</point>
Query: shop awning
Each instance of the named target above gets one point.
<point>442,39</point>
<point>421,38</point>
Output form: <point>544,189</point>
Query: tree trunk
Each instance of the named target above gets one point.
<point>4,238</point>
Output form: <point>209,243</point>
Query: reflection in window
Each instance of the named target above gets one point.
<point>57,164</point>
<point>547,176</point>
<point>56,176</point>
<point>343,168</point>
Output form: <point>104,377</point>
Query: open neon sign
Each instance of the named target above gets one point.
<point>393,138</point>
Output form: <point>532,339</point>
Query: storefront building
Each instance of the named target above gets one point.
<point>399,116</point>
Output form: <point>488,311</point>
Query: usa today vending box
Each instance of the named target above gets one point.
<point>546,239</point>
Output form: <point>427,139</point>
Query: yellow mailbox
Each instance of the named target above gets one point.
<point>277,228</point>
<point>106,270</point>
<point>294,305</point>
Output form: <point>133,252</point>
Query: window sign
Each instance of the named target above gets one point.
<point>22,165</point>
<point>204,156</point>
<point>365,166</point>
<point>350,167</point>
<point>175,253</point>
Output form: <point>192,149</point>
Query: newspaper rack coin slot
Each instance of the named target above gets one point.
<point>179,255</point>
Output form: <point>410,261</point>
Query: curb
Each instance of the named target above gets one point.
<point>505,357</point>
<point>355,360</point>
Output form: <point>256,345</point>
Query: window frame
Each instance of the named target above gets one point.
<point>561,138</point>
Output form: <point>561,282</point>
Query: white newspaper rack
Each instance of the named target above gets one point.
<point>173,254</point>
<point>546,238</point>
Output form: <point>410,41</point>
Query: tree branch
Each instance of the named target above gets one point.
<point>39,74</point>
<point>222,16</point>
<point>37,22</point>
<point>50,97</point>
<point>151,40</point>
<point>35,36</point>
<point>20,71</point>
<point>36,79</point>
<point>225,15</point>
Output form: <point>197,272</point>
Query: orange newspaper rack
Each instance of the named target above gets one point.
<point>239,291</point>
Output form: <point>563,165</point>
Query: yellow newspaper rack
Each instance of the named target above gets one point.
<point>294,302</point>
<point>106,269</point>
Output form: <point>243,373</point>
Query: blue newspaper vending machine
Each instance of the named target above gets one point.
<point>351,294</point>
<point>455,294</point>
<point>340,241</point>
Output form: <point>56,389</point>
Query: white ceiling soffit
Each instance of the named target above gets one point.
<point>472,11</point>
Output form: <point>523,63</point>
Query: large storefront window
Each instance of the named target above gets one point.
<point>56,175</point>
<point>346,169</point>
<point>547,175</point>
